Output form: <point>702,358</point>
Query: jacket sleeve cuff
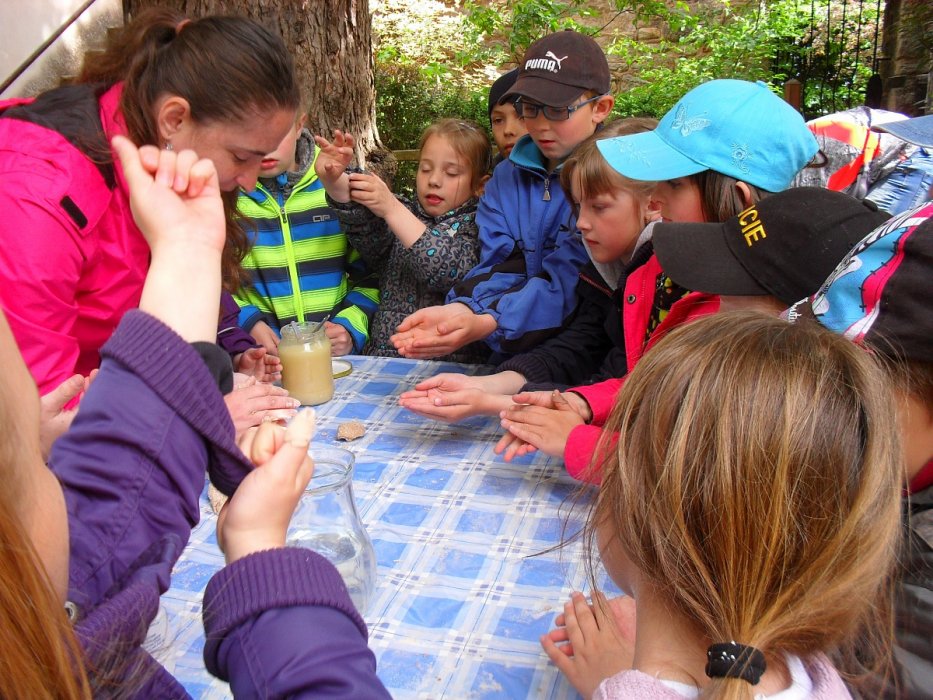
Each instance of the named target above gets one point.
<point>579,453</point>
<point>154,352</point>
<point>274,578</point>
<point>600,398</point>
<point>218,364</point>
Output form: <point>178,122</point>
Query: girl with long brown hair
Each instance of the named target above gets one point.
<point>750,508</point>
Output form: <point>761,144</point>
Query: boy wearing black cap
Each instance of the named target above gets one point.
<point>876,298</point>
<point>524,286</point>
<point>507,125</point>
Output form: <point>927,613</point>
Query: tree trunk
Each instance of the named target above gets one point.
<point>331,41</point>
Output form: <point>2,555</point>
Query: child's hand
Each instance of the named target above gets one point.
<point>54,419</point>
<point>254,403</point>
<point>264,335</point>
<point>600,640</point>
<point>332,161</point>
<point>175,196</point>
<point>511,447</point>
<point>545,428</point>
<point>370,191</point>
<point>451,397</point>
<point>440,330</point>
<point>340,340</point>
<point>258,514</point>
<point>551,399</point>
<point>257,362</point>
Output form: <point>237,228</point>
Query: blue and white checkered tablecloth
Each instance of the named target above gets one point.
<point>468,574</point>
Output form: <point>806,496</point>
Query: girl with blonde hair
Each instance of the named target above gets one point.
<point>749,508</point>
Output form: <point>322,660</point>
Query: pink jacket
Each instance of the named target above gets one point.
<point>72,261</point>
<point>639,298</point>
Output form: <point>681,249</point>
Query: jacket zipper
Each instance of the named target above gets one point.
<point>547,189</point>
<point>289,255</point>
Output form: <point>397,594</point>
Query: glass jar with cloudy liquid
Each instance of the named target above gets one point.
<point>326,520</point>
<point>307,373</point>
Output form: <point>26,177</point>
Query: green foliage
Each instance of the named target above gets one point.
<point>824,43</point>
<point>409,99</point>
<point>444,69</point>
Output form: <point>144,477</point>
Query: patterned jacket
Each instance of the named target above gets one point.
<point>416,277</point>
<point>301,264</point>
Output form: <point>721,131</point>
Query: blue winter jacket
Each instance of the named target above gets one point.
<point>530,256</point>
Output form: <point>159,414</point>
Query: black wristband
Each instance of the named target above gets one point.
<point>218,363</point>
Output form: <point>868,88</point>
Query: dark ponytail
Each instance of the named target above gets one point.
<point>227,68</point>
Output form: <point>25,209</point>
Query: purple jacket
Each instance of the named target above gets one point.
<point>230,336</point>
<point>132,467</point>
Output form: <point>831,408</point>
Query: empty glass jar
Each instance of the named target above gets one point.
<point>327,521</point>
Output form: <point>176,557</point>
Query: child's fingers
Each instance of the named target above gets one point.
<point>183,164</point>
<point>165,173</point>
<point>586,619</point>
<point>503,443</point>
<point>563,661</point>
<point>302,428</point>
<point>203,175</point>
<point>265,443</point>
<point>526,449</point>
<point>415,393</point>
<point>136,175</point>
<point>600,608</point>
<point>572,623</point>
<point>559,637</point>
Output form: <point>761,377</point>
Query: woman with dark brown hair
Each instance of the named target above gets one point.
<point>73,261</point>
<point>88,546</point>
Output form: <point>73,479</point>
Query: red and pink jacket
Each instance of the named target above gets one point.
<point>72,260</point>
<point>638,303</point>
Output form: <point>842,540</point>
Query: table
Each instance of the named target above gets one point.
<point>468,573</point>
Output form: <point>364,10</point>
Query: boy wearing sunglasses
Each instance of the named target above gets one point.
<point>522,290</point>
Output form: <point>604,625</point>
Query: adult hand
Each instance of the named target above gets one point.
<point>54,419</point>
<point>257,516</point>
<point>258,363</point>
<point>370,191</point>
<point>264,335</point>
<point>547,429</point>
<point>341,342</point>
<point>332,162</point>
<point>254,403</point>
<point>592,643</point>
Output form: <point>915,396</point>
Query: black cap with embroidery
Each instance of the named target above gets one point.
<point>784,246</point>
<point>557,69</point>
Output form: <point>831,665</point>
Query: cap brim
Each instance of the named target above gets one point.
<point>695,256</point>
<point>544,91</point>
<point>918,131</point>
<point>646,157</point>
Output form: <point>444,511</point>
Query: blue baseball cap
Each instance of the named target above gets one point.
<point>733,127</point>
